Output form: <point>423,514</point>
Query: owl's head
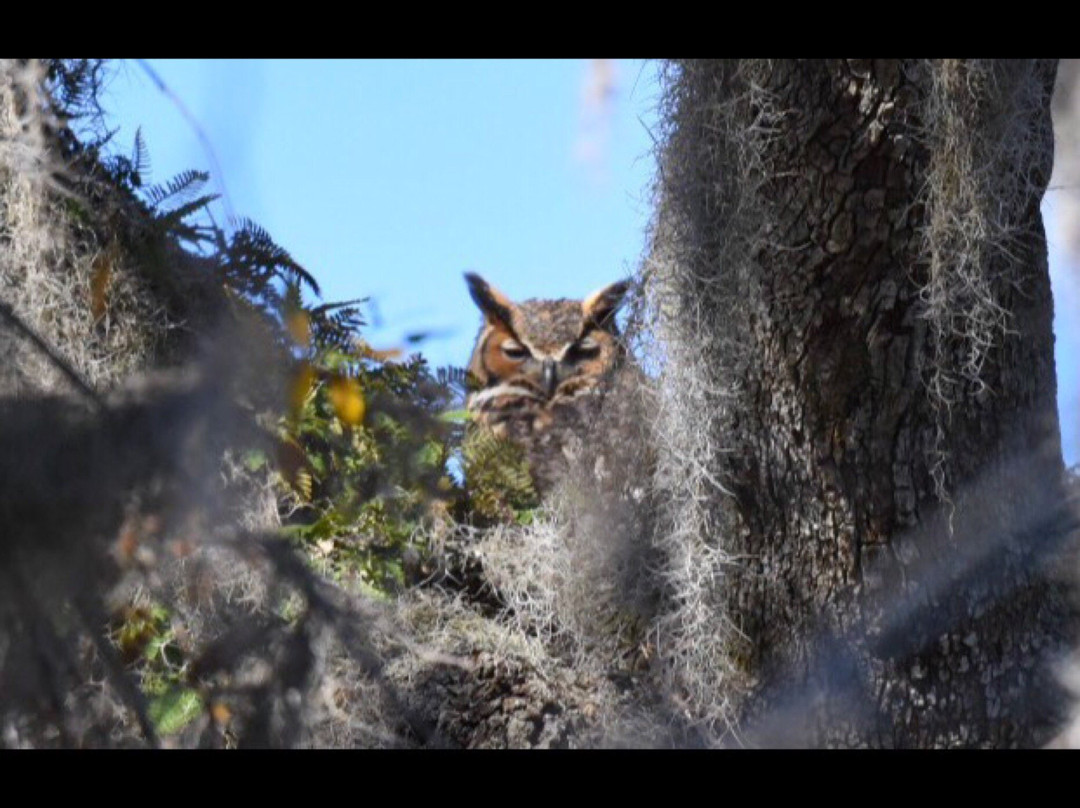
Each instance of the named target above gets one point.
<point>544,349</point>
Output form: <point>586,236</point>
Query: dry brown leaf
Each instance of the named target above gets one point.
<point>99,285</point>
<point>300,388</point>
<point>299,325</point>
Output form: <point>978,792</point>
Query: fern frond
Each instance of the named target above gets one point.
<point>176,216</point>
<point>77,84</point>
<point>252,246</point>
<point>140,158</point>
<point>497,475</point>
<point>177,190</point>
<point>337,325</point>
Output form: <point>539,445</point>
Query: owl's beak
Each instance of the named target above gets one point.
<point>550,377</point>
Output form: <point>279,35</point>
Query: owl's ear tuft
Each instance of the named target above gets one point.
<point>599,307</point>
<point>496,307</point>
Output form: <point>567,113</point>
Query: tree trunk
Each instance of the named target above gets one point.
<point>850,264</point>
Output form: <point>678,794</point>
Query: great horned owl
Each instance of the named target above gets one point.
<point>542,368</point>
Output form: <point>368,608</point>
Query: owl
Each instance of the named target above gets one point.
<point>541,369</point>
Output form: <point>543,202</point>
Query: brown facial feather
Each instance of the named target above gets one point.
<point>489,360</point>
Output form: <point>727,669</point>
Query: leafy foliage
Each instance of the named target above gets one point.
<point>365,454</point>
<point>369,444</point>
<point>365,446</point>
<point>500,485</point>
<point>148,643</point>
<point>76,86</point>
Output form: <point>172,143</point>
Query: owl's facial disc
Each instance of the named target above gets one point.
<point>546,350</point>
<point>547,371</point>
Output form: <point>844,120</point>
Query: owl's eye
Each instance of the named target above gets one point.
<point>584,348</point>
<point>514,350</point>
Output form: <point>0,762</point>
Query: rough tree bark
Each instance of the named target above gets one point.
<point>862,243</point>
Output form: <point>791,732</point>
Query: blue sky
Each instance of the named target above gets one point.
<point>389,179</point>
<point>1065,280</point>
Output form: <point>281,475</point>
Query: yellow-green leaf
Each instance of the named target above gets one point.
<point>348,400</point>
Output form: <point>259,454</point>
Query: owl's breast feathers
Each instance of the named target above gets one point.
<point>518,412</point>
